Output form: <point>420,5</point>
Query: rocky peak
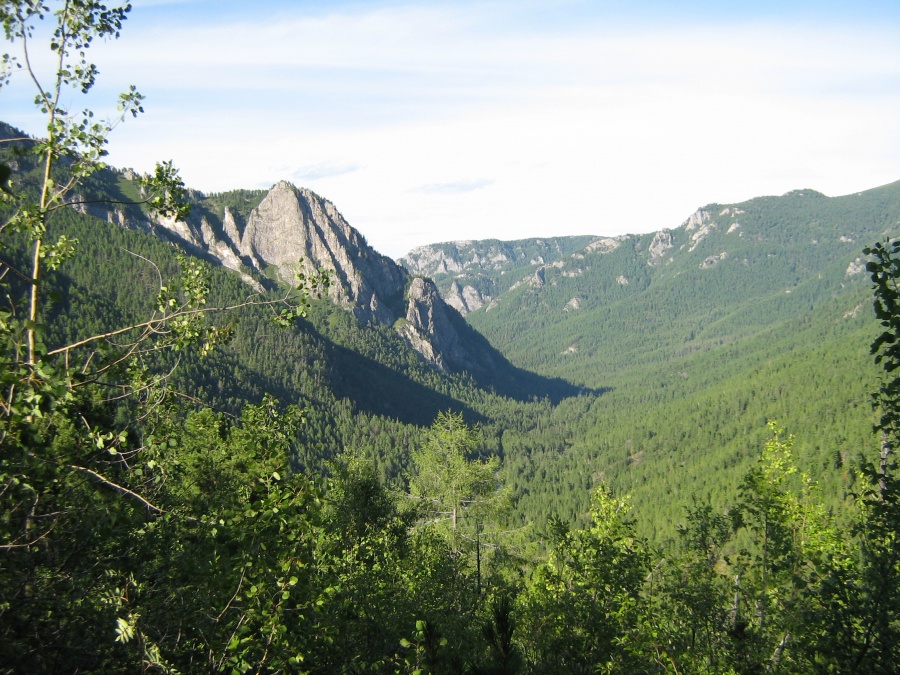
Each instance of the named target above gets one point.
<point>464,299</point>
<point>291,225</point>
<point>696,220</point>
<point>428,260</point>
<point>295,230</point>
<point>426,323</point>
<point>605,244</point>
<point>661,244</point>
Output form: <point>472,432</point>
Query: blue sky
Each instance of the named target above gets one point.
<point>431,121</point>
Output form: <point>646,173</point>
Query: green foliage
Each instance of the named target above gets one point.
<point>77,141</point>
<point>454,487</point>
<point>504,655</point>
<point>656,432</point>
<point>167,196</point>
<point>424,655</point>
<point>691,608</point>
<point>584,600</point>
<point>141,529</point>
<point>273,571</point>
<point>885,269</point>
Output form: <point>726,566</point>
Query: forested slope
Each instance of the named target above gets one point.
<point>685,363</point>
<point>700,334</point>
<point>612,304</point>
<point>167,506</point>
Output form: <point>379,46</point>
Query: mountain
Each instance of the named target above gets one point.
<point>606,304</point>
<point>471,271</point>
<point>292,231</point>
<point>647,362</point>
<point>698,334</point>
<point>685,341</point>
<point>277,234</point>
<point>269,236</point>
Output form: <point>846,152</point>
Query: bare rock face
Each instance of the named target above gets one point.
<point>696,220</point>
<point>291,225</point>
<point>431,260</point>
<point>465,299</point>
<point>442,336</point>
<point>858,266</point>
<point>181,230</point>
<point>713,260</point>
<point>605,244</point>
<point>473,298</point>
<point>455,257</point>
<point>700,224</point>
<point>661,244</point>
<point>429,328</point>
<point>294,230</point>
<point>230,227</point>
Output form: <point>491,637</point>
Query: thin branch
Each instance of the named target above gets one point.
<point>236,592</point>
<point>147,260</point>
<point>9,547</point>
<point>30,70</point>
<point>129,493</point>
<point>196,400</point>
<point>118,488</point>
<point>131,349</point>
<point>12,269</point>
<point>97,201</point>
<point>152,324</point>
<point>233,633</point>
<point>130,392</point>
<point>146,324</point>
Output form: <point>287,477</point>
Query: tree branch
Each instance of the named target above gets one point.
<point>118,488</point>
<point>98,201</point>
<point>154,323</point>
<point>9,547</point>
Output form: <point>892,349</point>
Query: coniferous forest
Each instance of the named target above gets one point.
<point>688,470</point>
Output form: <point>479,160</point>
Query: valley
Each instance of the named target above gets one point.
<point>574,379</point>
<point>648,363</point>
<point>237,438</point>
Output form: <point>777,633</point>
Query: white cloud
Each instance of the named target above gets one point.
<point>321,170</point>
<point>435,122</point>
<point>455,187</point>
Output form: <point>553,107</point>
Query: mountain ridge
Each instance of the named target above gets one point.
<point>692,351</point>
<point>274,236</point>
<point>294,231</point>
<point>753,263</point>
<point>468,272</point>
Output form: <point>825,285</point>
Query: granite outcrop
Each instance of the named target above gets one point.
<point>293,230</point>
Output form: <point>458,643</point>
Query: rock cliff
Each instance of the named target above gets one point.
<point>291,225</point>
<point>294,230</point>
<point>441,335</point>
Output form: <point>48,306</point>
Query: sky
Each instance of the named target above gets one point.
<point>432,121</point>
